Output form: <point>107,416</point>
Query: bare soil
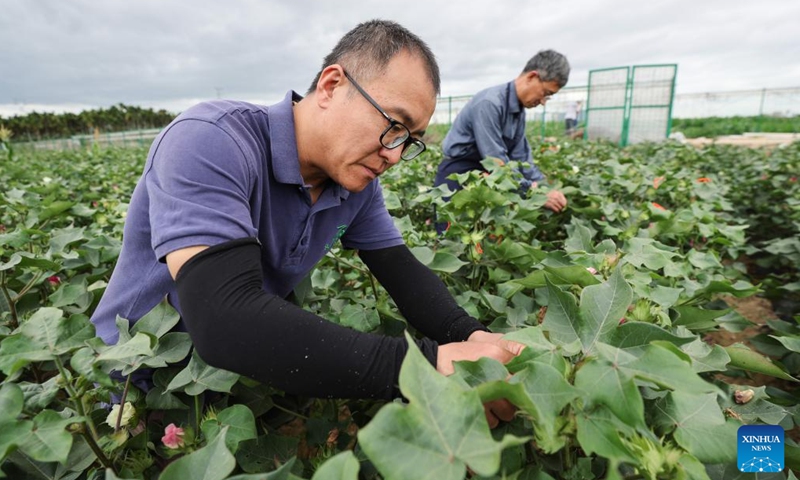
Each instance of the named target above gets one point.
<point>754,140</point>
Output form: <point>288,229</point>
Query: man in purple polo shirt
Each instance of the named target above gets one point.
<point>238,202</point>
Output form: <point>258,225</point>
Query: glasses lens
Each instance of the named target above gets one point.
<point>395,135</point>
<point>412,150</point>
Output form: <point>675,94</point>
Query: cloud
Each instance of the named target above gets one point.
<point>83,54</point>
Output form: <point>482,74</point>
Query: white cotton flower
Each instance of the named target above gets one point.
<point>575,169</point>
<point>127,414</point>
<point>46,180</point>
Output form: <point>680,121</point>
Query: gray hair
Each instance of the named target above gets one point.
<point>551,66</point>
<point>366,50</point>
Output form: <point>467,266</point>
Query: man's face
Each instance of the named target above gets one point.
<point>536,92</point>
<point>404,92</point>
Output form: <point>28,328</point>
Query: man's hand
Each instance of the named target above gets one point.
<point>496,339</point>
<point>482,344</point>
<point>469,350</point>
<point>556,201</point>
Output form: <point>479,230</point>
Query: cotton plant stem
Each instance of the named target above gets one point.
<point>11,304</point>
<point>89,436</point>
<point>122,404</point>
<point>198,410</point>
<point>99,452</point>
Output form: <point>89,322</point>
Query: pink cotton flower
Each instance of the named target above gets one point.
<point>173,436</point>
<point>592,270</point>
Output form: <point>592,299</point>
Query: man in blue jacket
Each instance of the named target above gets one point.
<point>492,124</point>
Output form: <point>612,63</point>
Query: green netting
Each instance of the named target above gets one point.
<point>605,105</point>
<point>630,104</point>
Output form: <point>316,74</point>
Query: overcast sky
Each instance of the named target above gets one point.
<point>58,55</point>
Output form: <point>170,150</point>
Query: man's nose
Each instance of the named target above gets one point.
<point>391,155</point>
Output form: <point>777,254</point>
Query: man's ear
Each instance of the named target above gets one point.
<point>331,78</point>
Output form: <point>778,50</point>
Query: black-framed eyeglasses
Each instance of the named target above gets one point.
<point>396,133</point>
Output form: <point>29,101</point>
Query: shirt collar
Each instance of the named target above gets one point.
<point>513,101</point>
<point>283,145</point>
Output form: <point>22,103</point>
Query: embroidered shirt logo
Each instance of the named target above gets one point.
<point>339,233</point>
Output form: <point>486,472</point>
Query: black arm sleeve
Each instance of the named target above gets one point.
<point>421,296</point>
<point>235,325</point>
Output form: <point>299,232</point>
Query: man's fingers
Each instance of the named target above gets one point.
<point>498,410</point>
<point>490,417</point>
<point>513,347</point>
<point>556,201</point>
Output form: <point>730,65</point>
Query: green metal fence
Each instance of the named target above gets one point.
<point>763,104</point>
<point>630,104</point>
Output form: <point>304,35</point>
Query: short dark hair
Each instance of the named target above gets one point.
<point>551,66</point>
<point>366,50</point>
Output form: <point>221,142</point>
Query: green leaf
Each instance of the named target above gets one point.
<point>664,296</point>
<point>481,371</point>
<point>157,321</point>
<point>110,475</point>
<point>697,319</point>
<point>11,434</point>
<point>699,425</point>
<point>659,365</point>
<point>649,253</point>
<point>791,343</point>
<point>212,462</point>
<point>158,399</point>
<point>759,408</point>
<point>441,431</point>
<point>11,402</point>
<point>360,318</point>
<point>171,348</point>
<point>128,356</point>
<point>633,335</point>
<point>198,377</point>
<point>39,396</point>
<point>240,424</point>
<point>84,363</point>
<point>445,262</point>
<point>542,392</point>
<point>266,452</point>
<point>284,472</point>
<point>424,254</point>
<point>17,351</point>
<point>48,441</point>
<point>608,385</point>
<point>54,209</point>
<point>561,320</point>
<point>601,308</point>
<point>740,289</point>
<point>707,358</point>
<point>497,304</point>
<point>70,294</point>
<point>343,466</point>
<point>532,337</point>
<point>744,358</point>
<point>599,432</point>
<point>703,260</point>
<point>57,335</point>
<point>570,275</point>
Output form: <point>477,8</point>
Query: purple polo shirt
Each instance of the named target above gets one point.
<point>225,170</point>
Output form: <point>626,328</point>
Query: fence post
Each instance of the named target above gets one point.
<point>544,120</point>
<point>761,109</point>
<point>450,110</point>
